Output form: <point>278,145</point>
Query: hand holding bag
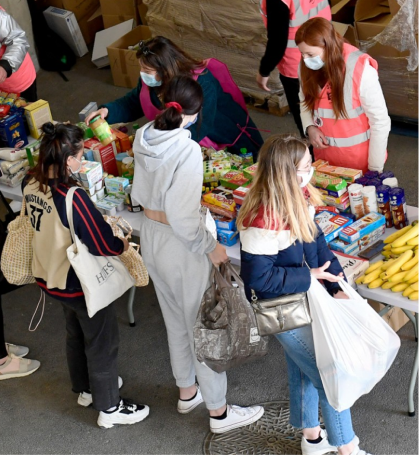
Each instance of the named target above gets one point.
<point>354,346</point>
<point>103,278</point>
<point>225,331</point>
<point>17,255</point>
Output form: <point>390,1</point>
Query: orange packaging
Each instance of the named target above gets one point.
<point>350,175</point>
<point>123,144</point>
<point>318,163</point>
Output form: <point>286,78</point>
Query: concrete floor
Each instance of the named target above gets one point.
<point>39,413</point>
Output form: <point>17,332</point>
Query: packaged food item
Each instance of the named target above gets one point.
<point>115,186</point>
<point>107,207</point>
<point>11,98</point>
<point>12,167</point>
<point>340,203</point>
<point>398,208</point>
<point>104,154</point>
<point>343,172</point>
<point>331,224</point>
<point>36,115</point>
<point>338,193</point>
<point>132,205</point>
<point>247,157</point>
<point>227,238</point>
<point>362,227</point>
<point>352,266</point>
<point>222,222</point>
<point>328,182</point>
<point>2,97</point>
<point>91,107</point>
<point>14,180</point>
<point>12,131</point>
<point>123,143</point>
<point>240,193</point>
<point>371,174</point>
<point>12,154</point>
<point>90,173</point>
<point>318,163</point>
<point>87,131</point>
<point>374,182</point>
<point>369,198</point>
<point>391,182</point>
<point>356,200</point>
<point>233,180</point>
<point>214,169</point>
<point>359,245</point>
<point>217,154</point>
<point>385,175</point>
<point>20,102</point>
<point>362,181</point>
<point>4,109</point>
<point>327,208</point>
<point>102,130</point>
<point>383,202</point>
<point>219,210</point>
<point>127,167</point>
<point>250,171</point>
<point>221,197</point>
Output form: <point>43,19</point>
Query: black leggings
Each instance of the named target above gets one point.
<point>5,287</point>
<point>30,94</point>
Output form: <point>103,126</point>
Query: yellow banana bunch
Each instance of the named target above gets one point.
<point>391,238</point>
<point>408,235</point>
<point>414,295</point>
<point>399,287</point>
<point>396,265</point>
<point>399,242</point>
<point>410,264</point>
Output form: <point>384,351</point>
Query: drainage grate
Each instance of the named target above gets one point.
<point>272,434</point>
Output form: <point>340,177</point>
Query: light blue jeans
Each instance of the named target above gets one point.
<point>306,389</point>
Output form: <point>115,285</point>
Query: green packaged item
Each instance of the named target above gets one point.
<point>250,171</point>
<point>247,157</point>
<point>328,182</point>
<point>87,131</point>
<point>233,180</point>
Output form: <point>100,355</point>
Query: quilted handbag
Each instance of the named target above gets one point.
<point>131,258</point>
<point>225,331</point>
<point>16,258</point>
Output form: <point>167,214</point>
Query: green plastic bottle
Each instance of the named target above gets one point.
<point>247,157</point>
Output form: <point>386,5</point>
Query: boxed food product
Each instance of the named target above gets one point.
<point>12,154</point>
<point>221,197</point>
<point>91,107</point>
<point>104,154</point>
<point>352,266</point>
<point>90,173</point>
<point>13,180</point>
<point>222,222</point>
<point>250,171</point>
<point>219,210</point>
<point>362,227</point>
<point>338,193</point>
<point>115,186</point>
<point>343,172</point>
<point>340,203</point>
<point>106,207</point>
<point>240,193</point>
<point>123,143</point>
<point>214,169</point>
<point>328,182</point>
<point>233,179</point>
<point>12,131</point>
<point>359,245</point>
<point>218,154</point>
<point>331,224</point>
<point>36,115</point>
<point>318,163</point>
<point>228,238</point>
<point>328,208</point>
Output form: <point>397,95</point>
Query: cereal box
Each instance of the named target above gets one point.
<point>233,179</point>
<point>343,172</point>
<point>221,197</point>
<point>331,224</point>
<point>328,182</point>
<point>362,227</point>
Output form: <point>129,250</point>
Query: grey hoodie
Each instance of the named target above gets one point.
<point>168,177</point>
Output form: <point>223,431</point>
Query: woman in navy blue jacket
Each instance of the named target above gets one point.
<point>281,249</point>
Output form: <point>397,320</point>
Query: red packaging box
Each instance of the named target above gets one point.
<point>104,154</point>
<point>123,144</point>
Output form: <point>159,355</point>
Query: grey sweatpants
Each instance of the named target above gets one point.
<point>180,279</point>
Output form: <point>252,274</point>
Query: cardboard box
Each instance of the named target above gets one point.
<point>12,131</point>
<point>123,143</point>
<point>395,317</point>
<point>90,173</point>
<point>91,107</point>
<point>227,238</point>
<point>104,154</point>
<point>352,266</point>
<point>80,8</point>
<point>343,11</point>
<point>348,174</point>
<point>115,186</point>
<point>347,31</point>
<point>90,25</point>
<point>105,38</point>
<point>368,223</point>
<point>359,245</point>
<point>142,12</point>
<point>331,224</point>
<point>124,63</point>
<point>36,115</point>
<point>115,12</point>
<point>64,24</point>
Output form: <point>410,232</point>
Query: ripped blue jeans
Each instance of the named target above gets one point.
<point>306,389</point>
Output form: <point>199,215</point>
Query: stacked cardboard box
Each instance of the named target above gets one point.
<point>232,32</point>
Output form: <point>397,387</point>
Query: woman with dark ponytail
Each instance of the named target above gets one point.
<point>177,247</point>
<point>92,343</point>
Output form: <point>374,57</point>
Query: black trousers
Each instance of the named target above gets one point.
<point>291,89</point>
<point>92,352</point>
<point>5,287</point>
<point>30,94</point>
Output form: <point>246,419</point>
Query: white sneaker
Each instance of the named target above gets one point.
<point>320,448</point>
<point>85,398</point>
<point>16,351</point>
<point>126,413</point>
<point>236,417</point>
<point>183,407</point>
<point>357,450</point>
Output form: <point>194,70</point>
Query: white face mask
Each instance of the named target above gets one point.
<point>314,63</point>
<point>79,169</point>
<point>306,177</point>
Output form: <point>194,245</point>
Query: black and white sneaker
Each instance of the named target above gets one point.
<point>126,413</point>
<point>85,398</point>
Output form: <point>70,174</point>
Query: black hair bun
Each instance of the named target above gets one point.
<point>49,129</point>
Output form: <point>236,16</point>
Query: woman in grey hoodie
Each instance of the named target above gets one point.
<point>178,249</point>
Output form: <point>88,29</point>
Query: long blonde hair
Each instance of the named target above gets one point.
<point>276,190</point>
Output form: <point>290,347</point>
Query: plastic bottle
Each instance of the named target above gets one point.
<point>102,130</point>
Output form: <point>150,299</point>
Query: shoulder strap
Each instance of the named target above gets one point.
<point>69,210</point>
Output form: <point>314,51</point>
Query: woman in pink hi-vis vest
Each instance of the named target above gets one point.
<point>17,73</point>
<point>343,110</point>
<point>223,121</point>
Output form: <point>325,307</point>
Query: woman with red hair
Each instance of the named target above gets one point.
<point>343,110</point>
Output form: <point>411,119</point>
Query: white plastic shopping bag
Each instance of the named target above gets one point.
<point>354,346</point>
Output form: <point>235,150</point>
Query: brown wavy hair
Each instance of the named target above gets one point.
<point>320,32</point>
<point>167,59</point>
<point>276,190</point>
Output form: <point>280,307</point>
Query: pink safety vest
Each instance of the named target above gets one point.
<point>21,79</point>
<point>300,11</point>
<point>220,71</point>
<point>349,138</point>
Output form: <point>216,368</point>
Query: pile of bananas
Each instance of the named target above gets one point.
<point>400,272</point>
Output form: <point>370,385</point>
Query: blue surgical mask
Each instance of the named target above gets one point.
<point>191,123</point>
<point>314,63</point>
<point>150,80</point>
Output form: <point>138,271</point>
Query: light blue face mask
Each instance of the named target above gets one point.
<point>191,123</point>
<point>314,63</point>
<point>150,80</point>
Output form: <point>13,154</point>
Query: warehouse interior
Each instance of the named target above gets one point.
<point>39,413</point>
